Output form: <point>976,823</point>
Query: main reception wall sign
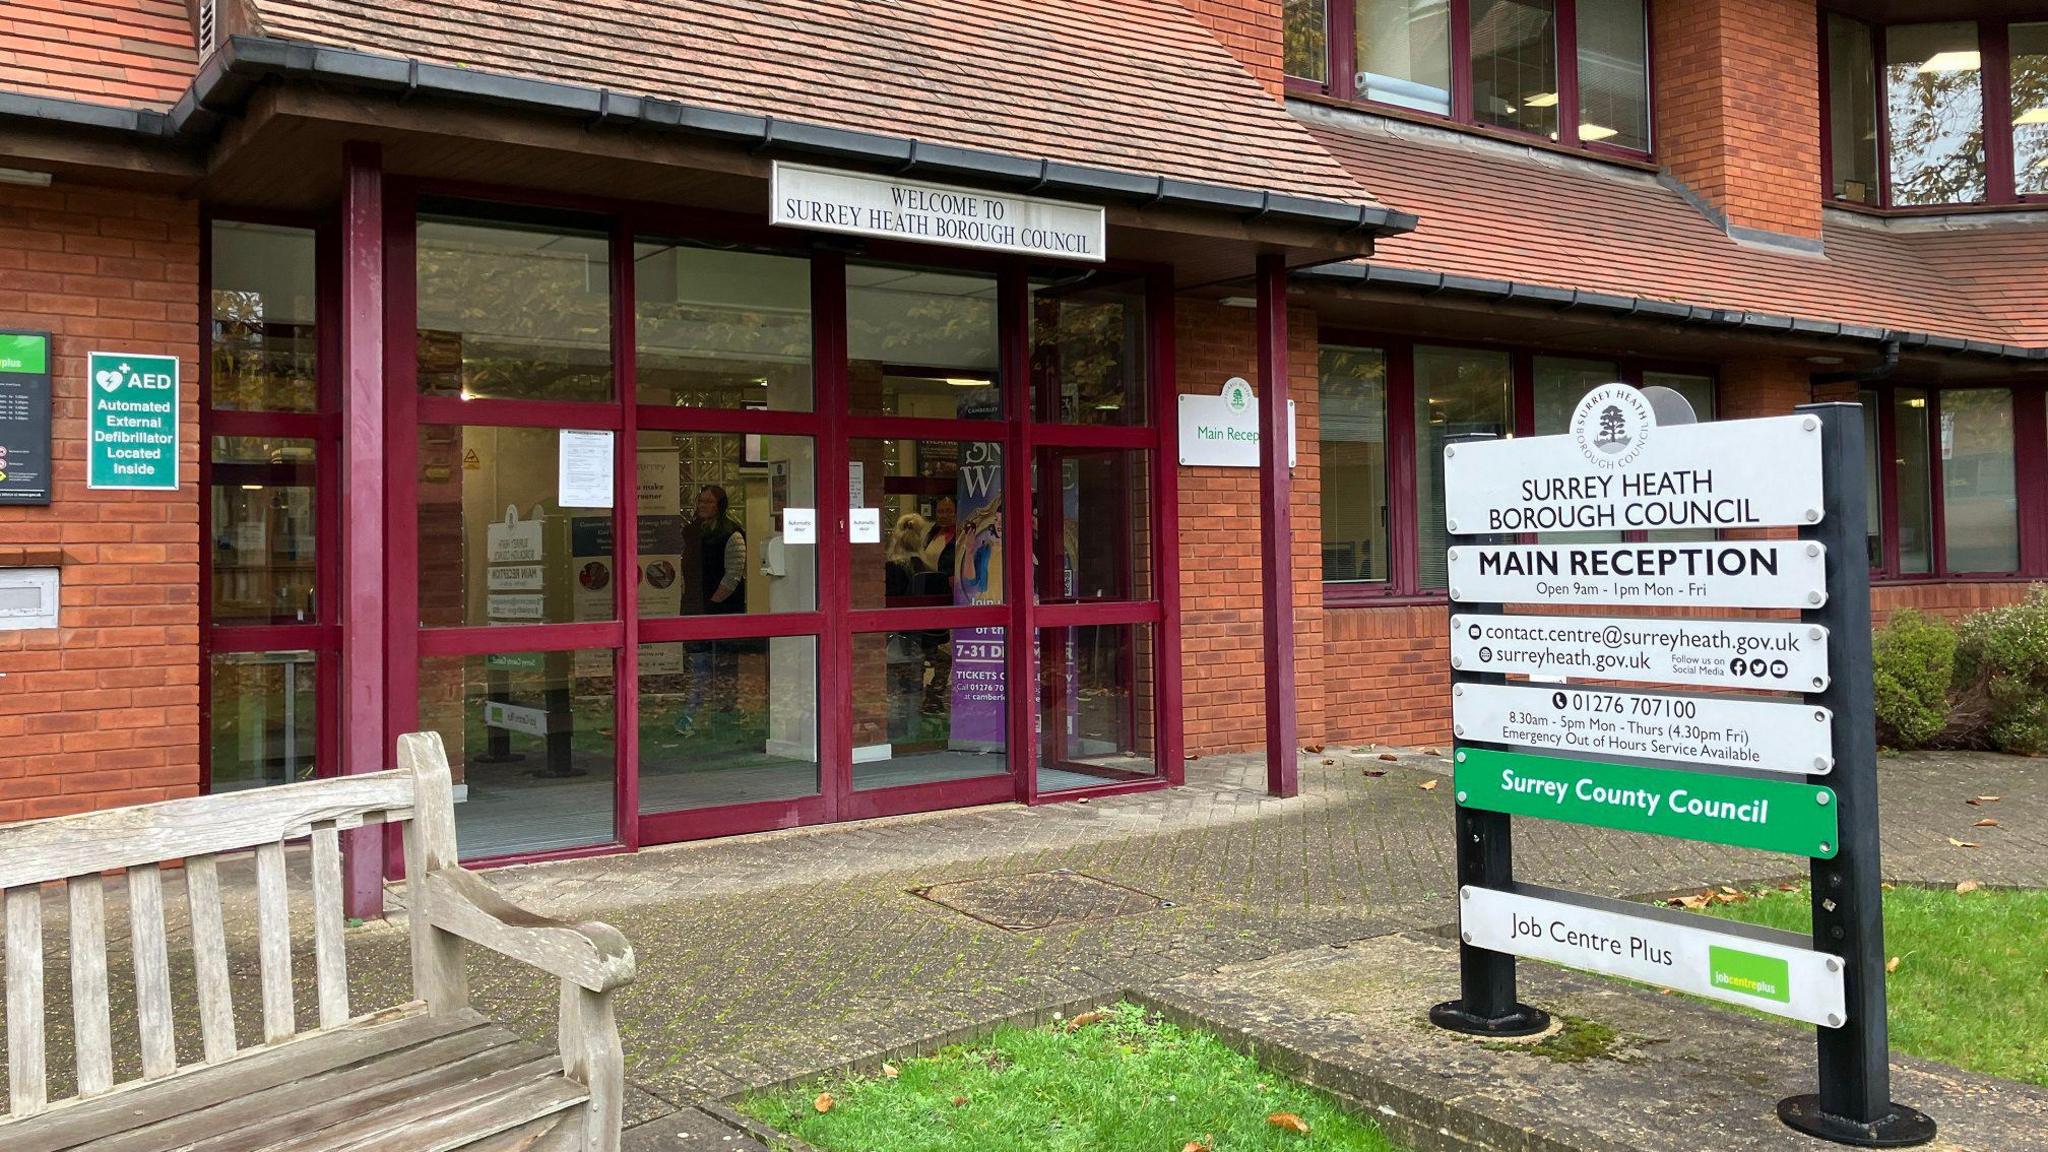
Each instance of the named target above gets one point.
<point>863,204</point>
<point>132,426</point>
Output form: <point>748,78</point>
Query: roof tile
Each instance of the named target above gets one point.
<point>136,53</point>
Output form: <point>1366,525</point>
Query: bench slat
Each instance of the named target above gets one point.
<point>447,1119</point>
<point>210,959</point>
<point>274,943</point>
<point>326,1097</point>
<point>152,971</point>
<point>27,1080</point>
<point>43,850</point>
<point>139,1103</point>
<point>89,1016</point>
<point>330,953</point>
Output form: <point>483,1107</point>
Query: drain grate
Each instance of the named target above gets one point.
<point>1040,899</point>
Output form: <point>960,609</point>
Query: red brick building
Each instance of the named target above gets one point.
<point>429,271</point>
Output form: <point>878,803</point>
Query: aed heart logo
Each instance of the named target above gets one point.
<point>108,379</point>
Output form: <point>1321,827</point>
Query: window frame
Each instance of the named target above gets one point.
<point>1994,47</point>
<point>1340,65</point>
<point>2030,469</point>
<point>1404,517</point>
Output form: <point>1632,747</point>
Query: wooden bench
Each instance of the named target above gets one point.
<point>428,1075</point>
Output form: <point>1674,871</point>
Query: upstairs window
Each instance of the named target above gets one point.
<point>1576,72</point>
<point>1933,114</point>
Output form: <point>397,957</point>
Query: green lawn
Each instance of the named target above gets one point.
<point>1971,986</point>
<point>1126,1082</point>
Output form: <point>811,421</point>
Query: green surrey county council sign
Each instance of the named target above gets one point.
<point>132,433</point>
<point>1774,815</point>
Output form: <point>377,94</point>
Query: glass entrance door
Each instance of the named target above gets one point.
<point>709,538</point>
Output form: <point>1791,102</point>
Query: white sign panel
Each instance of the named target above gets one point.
<point>1730,574</point>
<point>1222,431</point>
<point>864,204</point>
<point>584,469</point>
<point>516,578</point>
<point>866,526</point>
<point>1617,470</point>
<point>512,540</point>
<point>514,606</point>
<point>799,525</point>
<point>1722,731</point>
<point>516,718</point>
<point>1714,653</point>
<point>1657,949</point>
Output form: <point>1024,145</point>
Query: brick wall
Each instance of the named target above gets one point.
<point>1251,30</point>
<point>1738,108</point>
<point>104,710</point>
<point>1222,653</point>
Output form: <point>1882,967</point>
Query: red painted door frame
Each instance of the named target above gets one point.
<point>379,234</point>
<point>1276,530</point>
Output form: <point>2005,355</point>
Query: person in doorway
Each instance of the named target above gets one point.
<point>940,553</point>
<point>938,544</point>
<point>715,575</point>
<point>905,654</point>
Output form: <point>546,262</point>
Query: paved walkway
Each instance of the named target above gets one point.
<point>765,957</point>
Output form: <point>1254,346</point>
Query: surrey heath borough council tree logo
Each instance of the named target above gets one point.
<point>1237,395</point>
<point>1612,425</point>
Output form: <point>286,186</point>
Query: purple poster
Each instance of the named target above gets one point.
<point>980,714</point>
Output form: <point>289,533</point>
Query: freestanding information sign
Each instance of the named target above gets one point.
<point>1793,772</point>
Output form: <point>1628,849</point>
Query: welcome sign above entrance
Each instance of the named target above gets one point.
<point>863,204</point>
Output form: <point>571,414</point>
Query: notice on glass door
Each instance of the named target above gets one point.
<point>584,469</point>
<point>866,526</point>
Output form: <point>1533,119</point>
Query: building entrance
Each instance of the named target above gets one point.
<point>707,535</point>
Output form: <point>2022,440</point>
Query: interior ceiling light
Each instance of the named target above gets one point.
<point>1957,61</point>
<point>1596,132</point>
<point>1541,100</point>
<point>967,382</point>
<point>24,176</point>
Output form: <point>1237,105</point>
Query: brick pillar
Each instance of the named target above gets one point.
<point>1738,110</point>
<point>103,710</point>
<point>1760,387</point>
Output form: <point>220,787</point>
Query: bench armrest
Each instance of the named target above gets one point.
<point>590,955</point>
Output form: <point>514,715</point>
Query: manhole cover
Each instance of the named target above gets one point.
<point>1040,899</point>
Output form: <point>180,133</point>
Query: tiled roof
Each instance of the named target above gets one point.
<point>1135,85</point>
<point>1534,218</point>
<point>132,53</point>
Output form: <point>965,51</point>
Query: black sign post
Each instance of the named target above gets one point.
<point>1854,1104</point>
<point>24,417</point>
<point>1486,1004</point>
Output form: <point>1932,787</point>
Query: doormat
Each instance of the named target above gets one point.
<point>1037,900</point>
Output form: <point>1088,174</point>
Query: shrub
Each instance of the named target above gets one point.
<point>2001,667</point>
<point>1914,658</point>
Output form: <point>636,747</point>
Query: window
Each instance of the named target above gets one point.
<point>1931,114</point>
<point>1573,71</point>
<point>1960,479</point>
<point>1357,532</point>
<point>1852,110</point>
<point>514,312</point>
<point>1387,409</point>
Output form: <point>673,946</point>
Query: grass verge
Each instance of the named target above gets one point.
<point>1971,985</point>
<point>1123,1081</point>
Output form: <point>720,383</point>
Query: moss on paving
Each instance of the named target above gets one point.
<point>1578,1040</point>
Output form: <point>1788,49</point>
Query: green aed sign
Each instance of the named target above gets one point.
<point>132,426</point>
<point>1774,815</point>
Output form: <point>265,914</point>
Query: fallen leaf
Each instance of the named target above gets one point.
<point>1892,965</point>
<point>1964,843</point>
<point>1289,1121</point>
<point>959,1101</point>
<point>1312,749</point>
<point>1692,902</point>
<point>1194,1146</point>
<point>1084,1019</point>
<point>824,1102</point>
<point>1986,822</point>
<point>1986,800</point>
<point>1788,887</point>
<point>891,1071</point>
<point>1428,785</point>
<point>1327,763</point>
<point>1375,773</point>
<point>1884,887</point>
<point>1388,756</point>
<point>1966,887</point>
<point>1432,752</point>
<point>1727,891</point>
